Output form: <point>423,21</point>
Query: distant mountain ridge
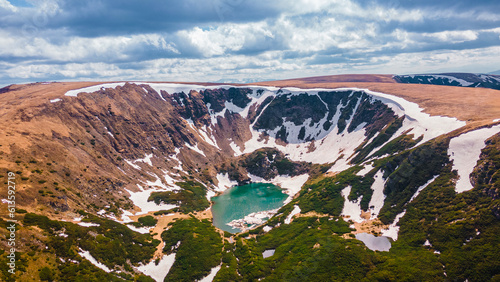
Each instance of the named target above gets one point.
<point>452,79</point>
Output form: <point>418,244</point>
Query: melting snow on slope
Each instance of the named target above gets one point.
<point>90,89</point>
<point>423,124</point>
<point>195,148</point>
<point>210,194</point>
<point>465,150</point>
<point>296,210</point>
<point>179,163</point>
<point>159,184</point>
<point>235,148</point>
<point>224,182</point>
<point>267,228</point>
<point>351,209</point>
<point>367,168</point>
<point>140,199</point>
<point>55,100</point>
<point>209,139</point>
<point>89,257</point>
<point>133,165</point>
<point>142,230</point>
<point>210,277</point>
<point>88,224</point>
<point>378,197</point>
<point>452,78</point>
<point>393,229</point>
<point>422,188</point>
<point>158,272</point>
<point>333,145</point>
<point>146,159</point>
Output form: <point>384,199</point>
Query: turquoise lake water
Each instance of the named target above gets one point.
<point>239,201</point>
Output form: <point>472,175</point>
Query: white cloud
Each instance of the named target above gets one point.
<point>4,4</point>
<point>453,36</point>
<point>226,38</point>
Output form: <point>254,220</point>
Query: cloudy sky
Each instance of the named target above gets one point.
<point>243,40</point>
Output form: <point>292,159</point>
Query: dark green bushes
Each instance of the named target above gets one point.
<point>191,198</point>
<point>198,248</point>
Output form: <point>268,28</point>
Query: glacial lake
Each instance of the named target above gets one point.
<point>240,201</point>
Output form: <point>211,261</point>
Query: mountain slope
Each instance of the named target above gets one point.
<point>352,160</point>
<point>453,79</point>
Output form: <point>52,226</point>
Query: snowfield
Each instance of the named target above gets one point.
<point>89,257</point>
<point>465,150</point>
<point>351,209</point>
<point>158,272</point>
<point>140,199</point>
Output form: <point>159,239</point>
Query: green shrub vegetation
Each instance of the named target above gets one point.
<point>324,196</point>
<point>191,198</point>
<point>198,248</point>
<point>111,243</point>
<point>408,171</point>
<point>147,220</point>
<point>385,134</point>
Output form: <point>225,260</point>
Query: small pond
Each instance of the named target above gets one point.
<point>375,243</point>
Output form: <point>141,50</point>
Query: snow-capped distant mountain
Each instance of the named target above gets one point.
<point>453,79</point>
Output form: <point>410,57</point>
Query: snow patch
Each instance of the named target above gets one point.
<point>351,209</point>
<point>393,229</point>
<point>452,78</point>
<point>236,149</point>
<point>88,224</point>
<point>465,150</point>
<point>133,165</point>
<point>91,89</point>
<point>224,182</point>
<point>142,230</point>
<point>196,149</point>
<point>56,100</point>
<point>422,188</point>
<point>296,210</point>
<point>210,194</point>
<point>146,159</point>
<point>203,132</point>
<point>140,199</point>
<point>378,197</point>
<point>210,277</point>
<point>267,228</point>
<point>158,272</point>
<point>367,168</point>
<point>89,257</point>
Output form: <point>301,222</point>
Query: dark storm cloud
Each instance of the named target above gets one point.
<point>226,36</point>
<point>124,17</point>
